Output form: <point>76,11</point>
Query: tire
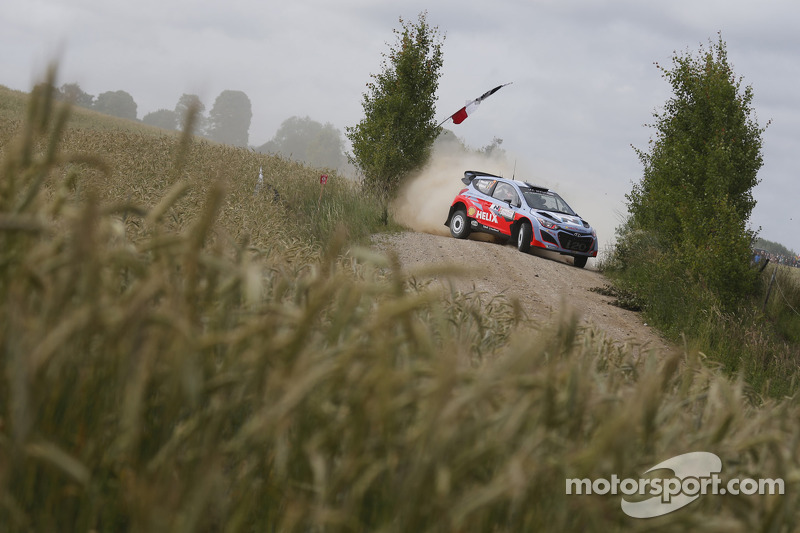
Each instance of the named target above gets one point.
<point>459,224</point>
<point>580,260</point>
<point>524,237</point>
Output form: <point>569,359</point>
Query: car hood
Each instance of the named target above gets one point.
<point>570,221</point>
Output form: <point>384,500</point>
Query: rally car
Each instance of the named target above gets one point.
<point>529,215</point>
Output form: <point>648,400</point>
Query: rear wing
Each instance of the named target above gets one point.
<point>470,175</point>
<point>537,188</point>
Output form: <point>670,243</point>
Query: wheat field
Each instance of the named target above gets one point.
<point>180,353</point>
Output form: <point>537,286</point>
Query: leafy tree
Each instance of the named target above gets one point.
<point>72,92</point>
<point>229,120</point>
<point>163,118</point>
<point>695,197</point>
<point>191,103</point>
<point>117,103</point>
<point>398,129</point>
<point>493,148</point>
<point>308,141</point>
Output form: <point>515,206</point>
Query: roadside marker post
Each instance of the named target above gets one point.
<point>323,179</point>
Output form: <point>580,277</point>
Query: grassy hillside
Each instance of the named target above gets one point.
<point>130,163</point>
<point>179,354</point>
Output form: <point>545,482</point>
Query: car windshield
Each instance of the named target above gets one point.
<point>547,201</point>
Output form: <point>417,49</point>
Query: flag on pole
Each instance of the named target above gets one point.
<point>461,115</point>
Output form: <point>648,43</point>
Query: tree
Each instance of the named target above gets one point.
<point>229,120</point>
<point>398,129</point>
<point>308,141</point>
<point>190,103</point>
<point>695,196</point>
<point>117,103</point>
<point>72,92</point>
<point>163,118</point>
<point>493,148</point>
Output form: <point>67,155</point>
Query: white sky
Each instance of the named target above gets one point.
<point>584,80</point>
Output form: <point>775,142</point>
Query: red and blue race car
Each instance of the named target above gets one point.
<point>531,216</point>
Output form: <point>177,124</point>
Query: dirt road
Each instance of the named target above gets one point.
<point>542,281</point>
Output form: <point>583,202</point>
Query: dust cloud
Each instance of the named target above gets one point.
<point>424,200</point>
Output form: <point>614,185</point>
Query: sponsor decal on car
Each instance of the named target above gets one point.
<point>505,212</point>
<point>471,211</point>
<point>486,216</point>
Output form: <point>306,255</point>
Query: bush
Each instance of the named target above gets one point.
<point>696,193</point>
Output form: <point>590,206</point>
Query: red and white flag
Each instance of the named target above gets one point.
<point>460,115</point>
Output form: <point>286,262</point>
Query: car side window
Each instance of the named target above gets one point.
<point>506,193</point>
<point>484,186</point>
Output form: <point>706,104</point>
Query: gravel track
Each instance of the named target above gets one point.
<point>545,284</point>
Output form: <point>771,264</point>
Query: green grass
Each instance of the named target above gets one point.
<point>783,305</point>
<point>175,356</point>
<point>762,344</point>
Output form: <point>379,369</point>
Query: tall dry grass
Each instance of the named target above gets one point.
<point>156,376</point>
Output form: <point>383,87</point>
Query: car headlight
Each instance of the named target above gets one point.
<point>547,223</point>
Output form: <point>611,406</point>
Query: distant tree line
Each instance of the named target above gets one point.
<point>227,122</point>
<point>300,139</point>
<point>773,247</point>
<point>308,141</point>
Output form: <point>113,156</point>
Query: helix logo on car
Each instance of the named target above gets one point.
<point>486,217</point>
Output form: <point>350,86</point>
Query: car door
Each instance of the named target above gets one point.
<point>503,204</point>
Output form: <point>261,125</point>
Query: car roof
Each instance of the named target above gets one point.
<point>469,175</point>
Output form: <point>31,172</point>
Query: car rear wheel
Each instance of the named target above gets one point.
<point>459,224</point>
<point>580,260</point>
<point>524,237</point>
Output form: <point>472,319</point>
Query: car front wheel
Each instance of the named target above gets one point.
<point>524,237</point>
<point>459,225</point>
<point>580,260</point>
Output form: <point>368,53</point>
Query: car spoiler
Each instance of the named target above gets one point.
<point>537,188</point>
<point>470,175</point>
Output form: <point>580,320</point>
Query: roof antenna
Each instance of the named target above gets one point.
<point>514,173</point>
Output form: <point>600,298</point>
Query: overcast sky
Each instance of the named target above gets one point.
<point>584,80</point>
